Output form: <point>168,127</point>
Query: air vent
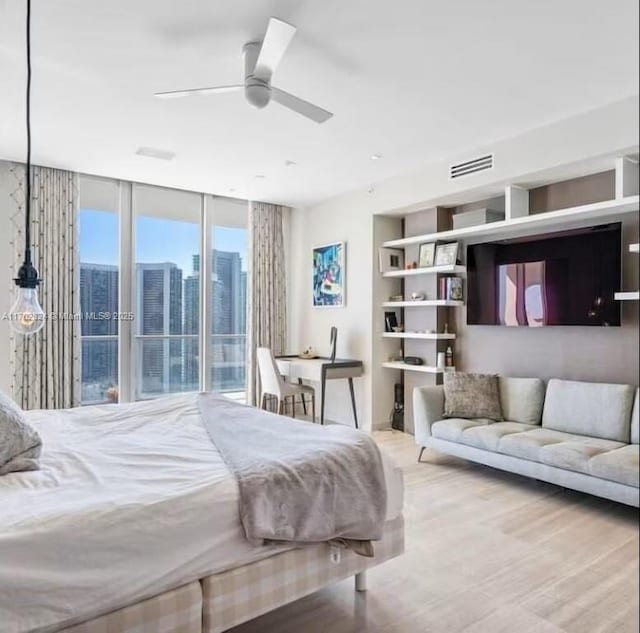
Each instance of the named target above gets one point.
<point>482,163</point>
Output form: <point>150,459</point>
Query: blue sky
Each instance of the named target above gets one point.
<point>157,240</point>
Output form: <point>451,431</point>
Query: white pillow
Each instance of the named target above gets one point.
<point>20,445</point>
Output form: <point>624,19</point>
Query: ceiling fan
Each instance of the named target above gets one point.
<point>260,62</point>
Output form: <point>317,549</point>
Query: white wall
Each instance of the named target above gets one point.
<point>565,146</point>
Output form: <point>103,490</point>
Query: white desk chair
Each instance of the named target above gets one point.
<point>273,384</point>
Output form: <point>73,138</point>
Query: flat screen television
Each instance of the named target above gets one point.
<point>566,278</point>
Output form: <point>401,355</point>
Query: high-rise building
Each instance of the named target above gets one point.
<point>191,302</point>
<point>98,297</point>
<point>159,312</point>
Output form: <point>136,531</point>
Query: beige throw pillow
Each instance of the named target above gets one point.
<point>472,396</point>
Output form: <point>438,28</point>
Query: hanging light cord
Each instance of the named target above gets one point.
<point>27,231</point>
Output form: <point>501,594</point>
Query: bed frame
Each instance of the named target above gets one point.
<point>219,602</point>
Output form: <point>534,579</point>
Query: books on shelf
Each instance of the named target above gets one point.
<point>450,288</point>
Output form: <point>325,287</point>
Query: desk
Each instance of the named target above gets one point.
<point>320,370</point>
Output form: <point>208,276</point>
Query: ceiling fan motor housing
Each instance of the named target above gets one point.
<point>257,91</point>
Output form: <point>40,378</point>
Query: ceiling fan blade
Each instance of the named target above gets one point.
<point>276,41</point>
<point>174,94</point>
<point>300,106</point>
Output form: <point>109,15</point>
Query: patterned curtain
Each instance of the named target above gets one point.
<point>267,290</point>
<point>45,367</point>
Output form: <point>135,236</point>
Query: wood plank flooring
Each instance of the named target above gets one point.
<point>486,552</point>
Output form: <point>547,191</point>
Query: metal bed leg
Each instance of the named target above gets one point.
<point>361,581</point>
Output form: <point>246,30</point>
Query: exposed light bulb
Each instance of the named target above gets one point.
<point>26,316</point>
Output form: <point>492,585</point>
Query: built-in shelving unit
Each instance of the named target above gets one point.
<point>428,336</point>
<point>425,369</point>
<point>530,206</point>
<point>511,227</point>
<point>425,303</point>
<point>432,270</point>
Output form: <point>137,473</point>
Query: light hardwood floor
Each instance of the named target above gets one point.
<point>486,552</point>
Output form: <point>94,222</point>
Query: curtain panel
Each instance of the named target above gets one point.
<point>45,367</point>
<point>266,288</point>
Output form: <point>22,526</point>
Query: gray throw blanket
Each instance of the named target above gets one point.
<point>299,482</point>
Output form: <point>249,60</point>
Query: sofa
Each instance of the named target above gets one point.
<point>578,435</point>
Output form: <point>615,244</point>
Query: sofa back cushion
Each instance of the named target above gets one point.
<point>521,399</point>
<point>592,409</point>
<point>635,419</point>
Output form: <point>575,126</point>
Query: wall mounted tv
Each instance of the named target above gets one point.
<point>566,278</point>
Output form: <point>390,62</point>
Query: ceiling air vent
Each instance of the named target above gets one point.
<point>482,163</point>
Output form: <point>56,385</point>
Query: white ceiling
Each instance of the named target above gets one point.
<point>412,80</point>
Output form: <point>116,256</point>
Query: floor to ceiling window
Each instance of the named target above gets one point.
<point>99,280</point>
<point>166,325</point>
<point>158,255</point>
<point>229,297</point>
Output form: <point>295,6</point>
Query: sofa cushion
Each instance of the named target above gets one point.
<point>521,399</point>
<point>488,437</point>
<point>635,419</point>
<point>451,429</point>
<point>593,409</point>
<point>471,396</point>
<point>576,454</point>
<point>621,465</point>
<point>527,444</point>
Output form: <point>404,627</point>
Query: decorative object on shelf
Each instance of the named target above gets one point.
<point>308,353</point>
<point>418,296</point>
<point>446,328</point>
<point>413,360</point>
<point>396,297</point>
<point>26,316</point>
<point>390,321</point>
<point>396,358</point>
<point>329,273</point>
<point>448,357</point>
<point>440,363</point>
<point>476,217</point>
<point>427,254</point>
<point>390,259</point>
<point>447,254</point>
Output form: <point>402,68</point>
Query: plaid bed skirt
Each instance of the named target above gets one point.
<point>242,594</point>
<point>175,611</point>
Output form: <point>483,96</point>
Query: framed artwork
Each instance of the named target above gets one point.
<point>446,254</point>
<point>391,259</point>
<point>329,274</point>
<point>426,255</point>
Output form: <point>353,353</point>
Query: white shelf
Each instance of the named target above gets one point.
<point>432,270</point>
<point>596,211</point>
<point>425,369</point>
<point>420,335</point>
<point>634,248</point>
<point>426,303</point>
<point>627,296</point>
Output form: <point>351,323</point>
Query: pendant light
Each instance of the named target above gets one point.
<point>27,317</point>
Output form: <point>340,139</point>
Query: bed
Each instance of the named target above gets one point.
<point>132,525</point>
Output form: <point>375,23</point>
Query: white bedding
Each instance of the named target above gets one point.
<point>131,500</point>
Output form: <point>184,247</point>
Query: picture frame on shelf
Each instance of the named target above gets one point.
<point>391,259</point>
<point>390,321</point>
<point>426,254</point>
<point>447,254</point>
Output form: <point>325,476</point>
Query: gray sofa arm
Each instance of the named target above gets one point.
<point>428,407</point>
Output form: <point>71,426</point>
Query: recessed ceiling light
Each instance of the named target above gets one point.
<point>232,190</point>
<point>151,152</point>
<point>260,176</point>
<point>290,163</point>
<point>375,156</point>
